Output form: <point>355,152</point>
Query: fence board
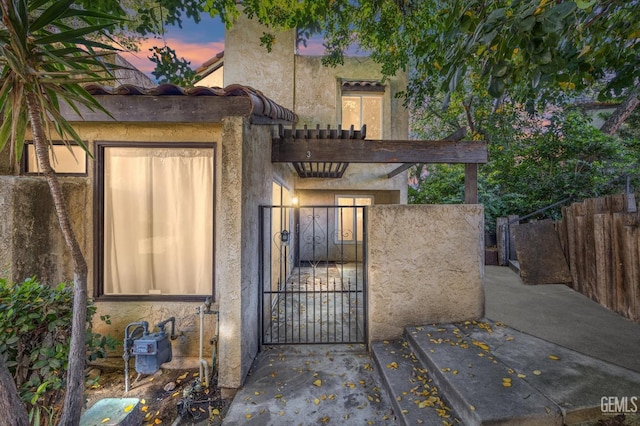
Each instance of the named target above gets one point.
<point>601,262</point>
<point>601,242</point>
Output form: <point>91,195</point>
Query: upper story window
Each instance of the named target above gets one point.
<point>362,103</point>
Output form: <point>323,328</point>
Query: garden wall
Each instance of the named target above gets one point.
<point>425,265</point>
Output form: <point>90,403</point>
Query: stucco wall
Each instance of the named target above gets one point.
<point>425,265</point>
<point>31,243</point>
<point>247,62</point>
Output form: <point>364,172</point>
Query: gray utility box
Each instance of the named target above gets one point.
<point>151,351</point>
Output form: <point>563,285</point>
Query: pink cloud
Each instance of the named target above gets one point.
<point>196,53</point>
<point>314,47</point>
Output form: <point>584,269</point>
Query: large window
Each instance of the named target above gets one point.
<point>349,217</point>
<point>156,219</point>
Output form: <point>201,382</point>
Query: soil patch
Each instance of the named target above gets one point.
<point>164,395</point>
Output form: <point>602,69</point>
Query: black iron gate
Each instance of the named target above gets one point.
<point>313,274</point>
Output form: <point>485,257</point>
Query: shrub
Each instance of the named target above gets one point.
<point>35,331</point>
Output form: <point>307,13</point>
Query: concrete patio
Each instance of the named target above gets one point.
<point>597,351</point>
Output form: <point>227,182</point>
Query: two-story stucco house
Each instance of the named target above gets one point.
<point>298,232</point>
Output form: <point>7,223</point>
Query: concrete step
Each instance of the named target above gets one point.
<point>546,384</point>
<point>414,397</point>
<point>480,387</point>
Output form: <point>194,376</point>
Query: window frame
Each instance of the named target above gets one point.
<point>98,221</point>
<point>353,241</point>
<point>24,161</point>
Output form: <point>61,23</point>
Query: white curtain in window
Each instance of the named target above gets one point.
<point>158,221</point>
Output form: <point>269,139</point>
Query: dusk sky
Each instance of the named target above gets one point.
<point>196,43</point>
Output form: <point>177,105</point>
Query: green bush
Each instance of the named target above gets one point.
<point>35,331</point>
<point>534,163</point>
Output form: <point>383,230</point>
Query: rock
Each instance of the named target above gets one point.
<point>93,374</point>
<point>170,386</point>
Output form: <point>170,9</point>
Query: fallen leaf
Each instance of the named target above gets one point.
<point>537,372</point>
<point>318,383</point>
<point>481,345</point>
<point>522,376</point>
<point>316,401</point>
<point>184,376</point>
<point>442,413</point>
<point>157,421</point>
<point>143,401</point>
<point>553,357</point>
<point>247,416</point>
<point>128,408</point>
<point>256,393</point>
<point>145,409</point>
<point>472,408</point>
<point>215,412</point>
<point>106,419</point>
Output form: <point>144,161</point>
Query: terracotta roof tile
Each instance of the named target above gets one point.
<point>261,105</point>
<point>205,66</point>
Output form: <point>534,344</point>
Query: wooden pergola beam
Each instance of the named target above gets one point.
<point>456,136</point>
<point>377,151</point>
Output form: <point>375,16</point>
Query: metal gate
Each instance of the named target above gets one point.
<point>313,274</point>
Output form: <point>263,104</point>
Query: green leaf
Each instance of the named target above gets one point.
<point>57,9</point>
<point>72,36</point>
<point>563,9</point>
<point>496,87</point>
<point>585,4</point>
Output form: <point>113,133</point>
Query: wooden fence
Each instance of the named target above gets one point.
<point>601,242</point>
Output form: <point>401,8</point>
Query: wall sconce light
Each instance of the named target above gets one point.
<point>295,200</point>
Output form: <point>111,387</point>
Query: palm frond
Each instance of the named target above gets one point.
<point>50,15</point>
<point>71,36</point>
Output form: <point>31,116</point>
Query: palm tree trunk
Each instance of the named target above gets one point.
<point>73,401</point>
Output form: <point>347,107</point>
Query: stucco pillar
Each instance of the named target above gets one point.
<point>246,179</point>
<point>228,255</point>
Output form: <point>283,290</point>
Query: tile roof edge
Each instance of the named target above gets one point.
<point>260,104</point>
